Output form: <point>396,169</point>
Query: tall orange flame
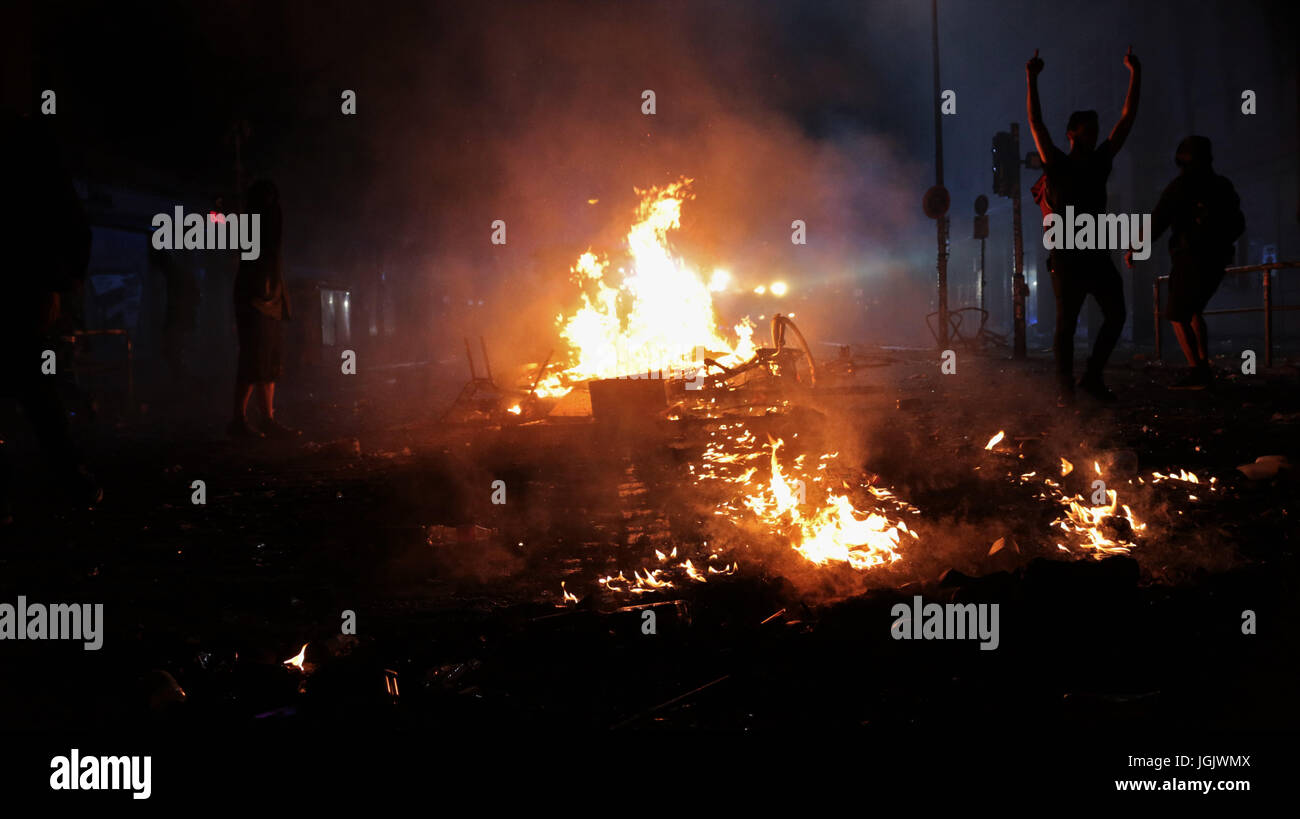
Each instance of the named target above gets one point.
<point>655,319</point>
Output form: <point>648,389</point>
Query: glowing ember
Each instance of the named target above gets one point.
<point>1183,475</point>
<point>654,320</point>
<point>296,662</point>
<point>643,581</point>
<point>1105,530</point>
<point>693,573</point>
<point>995,440</point>
<point>1100,529</point>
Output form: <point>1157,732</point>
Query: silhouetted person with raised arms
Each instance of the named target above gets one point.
<point>1079,179</point>
<point>1204,213</point>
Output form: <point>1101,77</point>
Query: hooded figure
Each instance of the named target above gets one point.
<point>1201,207</point>
<point>1203,213</point>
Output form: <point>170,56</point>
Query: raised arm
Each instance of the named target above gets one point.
<point>1119,133</point>
<point>1042,140</point>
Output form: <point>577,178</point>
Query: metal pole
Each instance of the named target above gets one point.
<point>982,283</point>
<point>1268,318</point>
<point>130,374</point>
<point>239,128</point>
<point>1018,287</point>
<point>470,357</point>
<point>942,221</point>
<point>1155,299</point>
<point>239,171</point>
<point>540,371</point>
<point>486,364</point>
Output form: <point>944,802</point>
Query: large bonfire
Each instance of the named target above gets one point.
<point>653,315</point>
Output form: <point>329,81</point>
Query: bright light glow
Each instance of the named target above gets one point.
<point>779,288</point>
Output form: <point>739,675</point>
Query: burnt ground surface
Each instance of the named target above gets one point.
<point>382,511</point>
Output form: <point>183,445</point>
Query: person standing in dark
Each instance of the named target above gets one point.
<point>261,308</point>
<point>46,239</point>
<point>179,313</point>
<point>1204,213</point>
<point>1079,179</point>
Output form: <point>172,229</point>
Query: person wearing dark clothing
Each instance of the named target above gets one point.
<point>1203,212</point>
<point>180,312</point>
<point>261,308</point>
<point>1078,179</point>
<point>46,239</point>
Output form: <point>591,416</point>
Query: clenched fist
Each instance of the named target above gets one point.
<point>1035,66</point>
<point>1131,60</point>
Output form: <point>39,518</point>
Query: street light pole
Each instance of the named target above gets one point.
<point>1018,287</point>
<point>941,221</point>
<point>981,233</point>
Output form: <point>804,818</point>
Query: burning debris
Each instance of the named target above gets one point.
<point>831,530</point>
<point>651,322</point>
<point>1102,529</point>
<point>1092,517</point>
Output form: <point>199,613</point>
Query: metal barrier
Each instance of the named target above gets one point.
<point>1268,308</point>
<point>978,339</point>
